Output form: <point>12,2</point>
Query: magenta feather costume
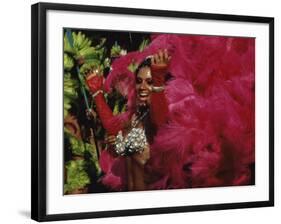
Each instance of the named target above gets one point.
<point>209,139</point>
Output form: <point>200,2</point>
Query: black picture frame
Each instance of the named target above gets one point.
<point>39,122</point>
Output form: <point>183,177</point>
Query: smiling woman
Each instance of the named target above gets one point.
<point>175,112</point>
<point>149,100</point>
<point>144,85</point>
<point>135,135</point>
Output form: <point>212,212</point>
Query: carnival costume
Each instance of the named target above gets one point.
<point>204,120</point>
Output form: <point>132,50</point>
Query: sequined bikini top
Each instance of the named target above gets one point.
<point>134,142</point>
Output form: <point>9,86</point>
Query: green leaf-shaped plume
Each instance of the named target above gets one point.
<point>76,176</point>
<point>69,92</point>
<point>68,62</point>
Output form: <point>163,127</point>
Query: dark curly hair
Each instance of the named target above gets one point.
<point>145,63</point>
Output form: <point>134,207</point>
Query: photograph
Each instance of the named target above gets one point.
<point>148,111</point>
<point>157,111</point>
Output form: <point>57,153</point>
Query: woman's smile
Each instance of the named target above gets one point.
<point>144,85</point>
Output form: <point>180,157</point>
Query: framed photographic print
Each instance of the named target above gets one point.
<point>139,111</point>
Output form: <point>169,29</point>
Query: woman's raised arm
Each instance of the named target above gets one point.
<point>95,84</point>
<point>159,105</point>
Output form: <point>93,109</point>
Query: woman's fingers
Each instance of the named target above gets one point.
<point>156,59</point>
<point>161,57</point>
<point>111,139</point>
<point>166,56</point>
<point>93,72</point>
<point>153,61</point>
<point>90,75</point>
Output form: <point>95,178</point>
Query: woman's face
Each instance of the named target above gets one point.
<point>144,86</point>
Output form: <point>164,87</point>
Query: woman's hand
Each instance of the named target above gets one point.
<point>161,59</point>
<point>110,139</point>
<point>159,67</point>
<point>94,80</point>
